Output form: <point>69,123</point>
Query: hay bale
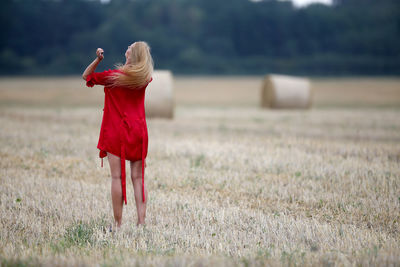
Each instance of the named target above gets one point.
<point>280,91</point>
<point>159,101</point>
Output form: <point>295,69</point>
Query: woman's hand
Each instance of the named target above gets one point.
<point>100,53</point>
<point>92,67</point>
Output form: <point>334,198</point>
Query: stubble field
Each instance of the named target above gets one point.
<point>229,183</point>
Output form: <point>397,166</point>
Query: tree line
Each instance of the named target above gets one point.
<point>351,37</point>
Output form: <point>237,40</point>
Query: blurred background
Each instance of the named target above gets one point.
<point>228,173</point>
<point>208,37</point>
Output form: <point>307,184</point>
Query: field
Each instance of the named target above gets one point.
<point>229,183</point>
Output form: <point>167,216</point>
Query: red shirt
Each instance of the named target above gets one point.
<point>123,129</point>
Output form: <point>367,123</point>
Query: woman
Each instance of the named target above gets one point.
<point>123,133</point>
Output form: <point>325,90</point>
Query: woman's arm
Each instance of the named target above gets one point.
<point>92,67</point>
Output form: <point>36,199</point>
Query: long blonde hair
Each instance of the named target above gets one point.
<point>138,71</point>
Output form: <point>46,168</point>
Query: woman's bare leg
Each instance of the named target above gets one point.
<point>116,188</point>
<point>136,176</point>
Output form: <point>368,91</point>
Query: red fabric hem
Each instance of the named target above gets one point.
<point>89,80</point>
<point>102,153</point>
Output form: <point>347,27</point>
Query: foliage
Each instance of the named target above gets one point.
<point>203,36</point>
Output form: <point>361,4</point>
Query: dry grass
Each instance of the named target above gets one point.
<point>246,91</point>
<point>229,184</point>
<point>204,91</point>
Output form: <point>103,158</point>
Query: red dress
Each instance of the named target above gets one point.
<point>123,129</point>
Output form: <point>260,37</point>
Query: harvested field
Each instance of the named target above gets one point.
<point>229,183</point>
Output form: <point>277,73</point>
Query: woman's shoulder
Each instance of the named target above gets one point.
<point>100,78</point>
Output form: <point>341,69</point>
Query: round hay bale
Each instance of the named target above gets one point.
<point>159,101</point>
<point>280,91</point>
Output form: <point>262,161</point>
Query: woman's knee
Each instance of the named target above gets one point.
<point>116,176</point>
<point>136,170</point>
<point>115,166</point>
<point>136,175</point>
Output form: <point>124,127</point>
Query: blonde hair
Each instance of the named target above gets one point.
<point>138,71</point>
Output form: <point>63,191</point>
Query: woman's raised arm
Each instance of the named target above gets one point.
<point>92,67</point>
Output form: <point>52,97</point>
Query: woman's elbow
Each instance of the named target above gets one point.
<point>84,76</point>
